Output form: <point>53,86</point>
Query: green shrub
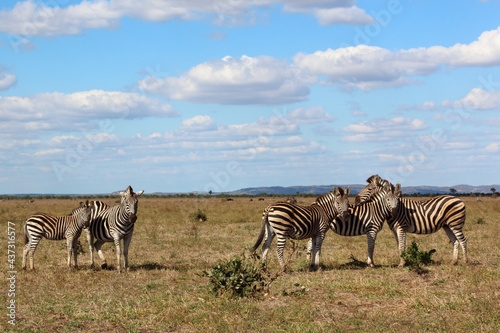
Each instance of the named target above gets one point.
<point>236,277</point>
<point>413,257</point>
<point>199,216</point>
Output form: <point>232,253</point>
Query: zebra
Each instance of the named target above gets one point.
<point>426,217</point>
<point>368,218</point>
<point>112,224</point>
<point>55,227</point>
<point>375,184</point>
<point>302,222</point>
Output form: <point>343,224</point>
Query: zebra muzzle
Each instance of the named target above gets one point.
<point>132,218</point>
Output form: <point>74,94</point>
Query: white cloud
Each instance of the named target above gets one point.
<point>7,80</point>
<point>244,80</point>
<point>78,111</point>
<point>30,18</point>
<point>365,67</point>
<point>484,52</point>
<point>382,129</point>
<point>311,115</point>
<point>427,106</point>
<point>351,15</point>
<point>330,12</point>
<point>476,99</point>
<point>493,147</point>
<point>198,124</point>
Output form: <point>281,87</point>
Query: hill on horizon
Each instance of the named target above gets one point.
<point>356,188</point>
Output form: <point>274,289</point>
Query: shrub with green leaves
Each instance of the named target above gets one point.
<point>414,257</point>
<point>236,277</point>
<point>199,216</point>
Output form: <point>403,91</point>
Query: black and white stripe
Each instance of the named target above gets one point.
<point>112,224</point>
<point>301,222</point>
<point>54,227</point>
<point>368,218</point>
<point>426,217</point>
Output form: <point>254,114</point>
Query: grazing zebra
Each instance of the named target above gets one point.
<point>112,224</point>
<point>426,217</point>
<point>299,222</point>
<point>368,218</point>
<point>55,228</point>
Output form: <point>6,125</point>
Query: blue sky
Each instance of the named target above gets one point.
<point>178,96</point>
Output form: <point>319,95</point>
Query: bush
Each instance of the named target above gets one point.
<point>414,257</point>
<point>237,277</point>
<point>199,216</point>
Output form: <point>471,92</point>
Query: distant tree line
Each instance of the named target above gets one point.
<point>223,195</point>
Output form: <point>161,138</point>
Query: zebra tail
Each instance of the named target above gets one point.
<point>262,232</point>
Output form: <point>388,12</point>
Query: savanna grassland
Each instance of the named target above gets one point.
<point>166,291</point>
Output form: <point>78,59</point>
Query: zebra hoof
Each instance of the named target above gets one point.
<point>104,266</point>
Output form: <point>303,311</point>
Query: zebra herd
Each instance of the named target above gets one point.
<point>379,201</point>
<point>100,222</point>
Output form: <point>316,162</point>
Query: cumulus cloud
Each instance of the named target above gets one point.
<point>476,99</point>
<point>30,18</point>
<point>382,129</point>
<point>198,123</point>
<point>7,80</point>
<point>365,67</point>
<point>331,12</point>
<point>79,110</point>
<point>245,80</point>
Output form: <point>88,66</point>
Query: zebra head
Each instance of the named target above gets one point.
<point>84,214</point>
<point>391,196</point>
<point>342,203</point>
<point>375,185</point>
<point>129,202</point>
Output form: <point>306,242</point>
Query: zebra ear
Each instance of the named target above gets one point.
<point>347,190</point>
<point>87,203</point>
<point>398,190</point>
<point>338,192</point>
<point>139,193</point>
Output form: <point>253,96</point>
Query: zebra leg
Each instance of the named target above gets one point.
<point>33,244</point>
<point>371,237</point>
<point>401,241</point>
<point>126,243</point>
<point>309,249</point>
<point>90,240</point>
<point>280,247</point>
<point>98,243</point>
<point>267,243</point>
<point>454,243</point>
<point>118,254</point>
<point>316,251</point>
<point>25,253</point>
<point>75,254</point>
<point>69,247</point>
<point>457,238</point>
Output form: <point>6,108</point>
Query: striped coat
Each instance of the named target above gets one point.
<point>301,222</point>
<point>54,227</point>
<point>426,217</point>
<point>112,224</point>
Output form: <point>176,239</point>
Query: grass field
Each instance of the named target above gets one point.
<point>165,290</point>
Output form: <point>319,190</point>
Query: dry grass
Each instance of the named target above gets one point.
<point>164,291</point>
